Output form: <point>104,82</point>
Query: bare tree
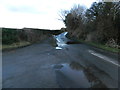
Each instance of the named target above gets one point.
<point>62,14</point>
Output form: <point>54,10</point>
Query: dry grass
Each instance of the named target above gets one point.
<point>15,45</point>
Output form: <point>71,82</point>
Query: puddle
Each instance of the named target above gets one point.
<point>73,75</point>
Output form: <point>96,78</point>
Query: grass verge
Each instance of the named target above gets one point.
<point>104,47</point>
<point>15,45</point>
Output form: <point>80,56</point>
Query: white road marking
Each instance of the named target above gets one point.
<point>103,57</point>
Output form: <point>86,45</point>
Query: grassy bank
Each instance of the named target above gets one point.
<point>15,45</point>
<point>15,38</point>
<point>104,47</point>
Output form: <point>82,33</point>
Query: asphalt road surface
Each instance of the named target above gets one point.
<point>67,66</point>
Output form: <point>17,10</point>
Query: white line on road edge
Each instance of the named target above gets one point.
<point>103,57</point>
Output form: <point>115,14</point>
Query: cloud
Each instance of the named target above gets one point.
<point>35,13</point>
<point>23,9</point>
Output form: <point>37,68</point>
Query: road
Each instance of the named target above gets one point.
<point>67,66</point>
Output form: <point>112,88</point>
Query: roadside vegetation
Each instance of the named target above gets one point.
<point>15,38</point>
<point>101,46</point>
<point>98,25</point>
<point>15,45</point>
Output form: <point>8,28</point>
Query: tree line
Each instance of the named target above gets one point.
<point>99,23</point>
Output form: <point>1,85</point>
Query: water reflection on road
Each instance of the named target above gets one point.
<point>73,75</point>
<point>61,40</point>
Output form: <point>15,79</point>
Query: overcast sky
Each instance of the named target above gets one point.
<point>35,13</point>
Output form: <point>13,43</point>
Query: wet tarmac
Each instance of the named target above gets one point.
<point>66,66</point>
<point>73,75</point>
